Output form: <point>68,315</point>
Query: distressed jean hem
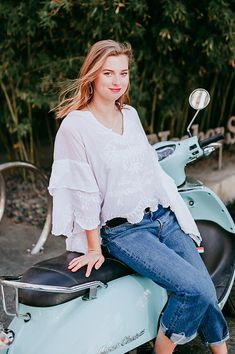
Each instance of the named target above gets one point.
<point>177,338</point>
<point>219,342</point>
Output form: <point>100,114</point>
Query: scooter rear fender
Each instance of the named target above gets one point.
<point>122,317</point>
<point>217,230</point>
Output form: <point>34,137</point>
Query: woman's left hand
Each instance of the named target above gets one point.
<point>91,259</point>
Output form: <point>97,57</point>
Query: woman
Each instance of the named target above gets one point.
<point>106,177</point>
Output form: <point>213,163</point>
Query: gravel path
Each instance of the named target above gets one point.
<point>26,198</point>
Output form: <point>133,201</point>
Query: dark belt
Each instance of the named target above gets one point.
<point>119,221</point>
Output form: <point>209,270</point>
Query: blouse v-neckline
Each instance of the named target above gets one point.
<point>109,129</point>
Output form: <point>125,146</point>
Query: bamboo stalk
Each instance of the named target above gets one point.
<point>207,116</point>
<point>11,109</point>
<point>225,98</point>
<point>22,149</point>
<point>31,142</point>
<point>14,117</point>
<point>153,110</point>
<point>185,111</point>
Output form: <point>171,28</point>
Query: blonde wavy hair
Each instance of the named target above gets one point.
<point>79,93</point>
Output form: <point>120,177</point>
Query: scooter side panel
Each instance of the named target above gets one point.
<point>183,153</point>
<point>123,316</point>
<point>204,204</point>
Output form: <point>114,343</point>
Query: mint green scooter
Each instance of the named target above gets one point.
<point>117,310</point>
<point>216,226</point>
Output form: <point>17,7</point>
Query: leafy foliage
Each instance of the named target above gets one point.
<point>178,46</point>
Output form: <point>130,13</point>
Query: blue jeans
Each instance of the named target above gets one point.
<point>158,249</point>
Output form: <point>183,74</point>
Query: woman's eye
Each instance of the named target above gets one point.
<point>107,74</point>
<point>125,74</point>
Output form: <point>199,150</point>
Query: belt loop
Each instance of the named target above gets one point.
<point>161,223</point>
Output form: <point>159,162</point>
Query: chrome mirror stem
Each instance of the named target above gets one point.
<point>190,124</point>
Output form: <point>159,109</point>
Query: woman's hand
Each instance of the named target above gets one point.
<point>91,259</point>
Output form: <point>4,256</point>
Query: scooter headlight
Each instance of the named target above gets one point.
<point>6,338</point>
<point>164,152</point>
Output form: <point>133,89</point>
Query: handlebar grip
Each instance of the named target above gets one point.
<point>210,140</point>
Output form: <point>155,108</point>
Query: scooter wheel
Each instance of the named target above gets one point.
<point>229,307</point>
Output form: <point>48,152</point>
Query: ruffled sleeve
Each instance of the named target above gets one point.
<point>76,196</point>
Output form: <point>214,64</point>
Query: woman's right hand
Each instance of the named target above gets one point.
<point>91,259</point>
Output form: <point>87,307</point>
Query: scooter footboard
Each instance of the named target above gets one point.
<point>122,317</point>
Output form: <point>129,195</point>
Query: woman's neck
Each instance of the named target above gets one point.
<point>104,107</point>
<point>108,114</point>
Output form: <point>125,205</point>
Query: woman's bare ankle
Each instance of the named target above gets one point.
<point>219,349</point>
<point>163,344</point>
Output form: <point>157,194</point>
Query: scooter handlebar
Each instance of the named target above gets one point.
<point>211,140</point>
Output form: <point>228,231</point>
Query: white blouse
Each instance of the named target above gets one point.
<point>98,175</point>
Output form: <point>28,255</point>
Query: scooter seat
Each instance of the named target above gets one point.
<point>55,271</point>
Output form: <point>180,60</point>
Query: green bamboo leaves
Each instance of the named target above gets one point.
<point>178,46</point>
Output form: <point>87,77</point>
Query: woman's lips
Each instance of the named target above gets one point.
<point>115,89</point>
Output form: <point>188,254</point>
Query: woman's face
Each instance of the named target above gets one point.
<point>113,79</point>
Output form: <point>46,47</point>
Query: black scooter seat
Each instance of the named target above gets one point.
<point>218,257</point>
<point>55,271</point>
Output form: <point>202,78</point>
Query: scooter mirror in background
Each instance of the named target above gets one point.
<point>199,99</point>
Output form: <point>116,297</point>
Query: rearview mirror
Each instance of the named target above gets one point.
<point>199,99</point>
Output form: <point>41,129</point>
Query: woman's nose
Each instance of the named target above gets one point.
<point>116,80</point>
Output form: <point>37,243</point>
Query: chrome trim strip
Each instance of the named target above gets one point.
<point>92,286</point>
<point>52,288</point>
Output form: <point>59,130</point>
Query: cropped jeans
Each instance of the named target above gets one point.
<point>157,248</point>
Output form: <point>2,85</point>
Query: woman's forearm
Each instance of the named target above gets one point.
<point>93,240</point>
